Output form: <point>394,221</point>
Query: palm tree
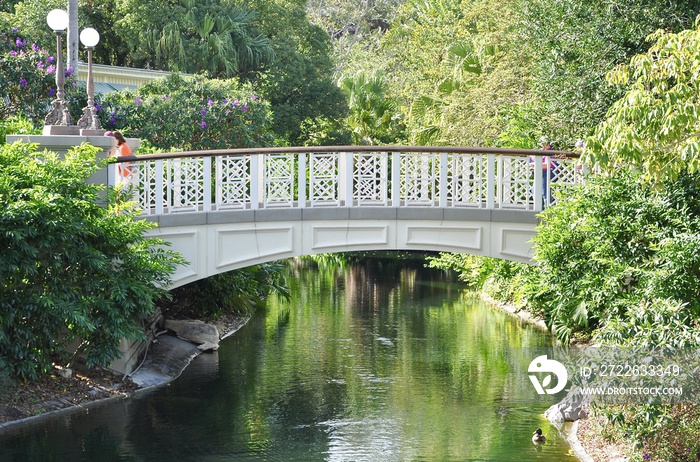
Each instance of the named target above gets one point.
<point>372,116</point>
<point>218,43</point>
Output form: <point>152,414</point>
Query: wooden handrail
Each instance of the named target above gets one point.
<point>328,149</point>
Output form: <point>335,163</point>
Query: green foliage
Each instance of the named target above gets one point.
<point>28,78</point>
<point>678,440</point>
<point>373,118</point>
<point>352,24</point>
<point>30,17</point>
<point>323,131</point>
<point>621,256</point>
<point>655,126</point>
<point>16,126</point>
<point>72,269</point>
<point>237,292</point>
<point>471,269</point>
<point>211,37</point>
<point>190,113</point>
<point>572,45</point>
<point>299,82</point>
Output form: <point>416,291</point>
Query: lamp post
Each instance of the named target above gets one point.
<point>59,114</point>
<point>89,38</point>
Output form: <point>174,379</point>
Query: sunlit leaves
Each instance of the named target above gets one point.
<point>373,117</point>
<point>655,126</point>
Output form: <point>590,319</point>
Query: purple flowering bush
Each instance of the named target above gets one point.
<point>28,78</point>
<point>190,113</point>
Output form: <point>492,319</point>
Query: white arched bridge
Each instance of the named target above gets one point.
<point>228,209</point>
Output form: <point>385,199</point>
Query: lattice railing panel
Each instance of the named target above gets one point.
<point>185,182</point>
<point>233,182</point>
<point>279,180</point>
<point>142,181</point>
<point>419,178</point>
<point>467,180</point>
<point>515,182</point>
<point>371,179</point>
<point>324,188</point>
<point>563,173</point>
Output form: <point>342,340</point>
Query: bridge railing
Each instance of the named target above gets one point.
<point>346,176</point>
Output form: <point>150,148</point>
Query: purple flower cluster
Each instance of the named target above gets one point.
<point>235,104</point>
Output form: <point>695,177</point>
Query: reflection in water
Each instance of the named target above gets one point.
<point>375,362</point>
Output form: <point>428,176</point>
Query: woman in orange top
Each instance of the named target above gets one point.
<point>124,150</point>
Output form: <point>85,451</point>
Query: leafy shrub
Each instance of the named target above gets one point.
<point>71,269</point>
<point>502,280</point>
<point>16,125</point>
<point>616,253</point>
<point>678,440</point>
<point>189,113</point>
<point>28,78</point>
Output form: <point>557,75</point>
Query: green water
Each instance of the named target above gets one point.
<point>375,362</point>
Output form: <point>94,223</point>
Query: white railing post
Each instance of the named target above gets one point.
<point>301,183</point>
<point>490,181</point>
<point>257,181</point>
<point>207,184</point>
<point>395,179</point>
<point>347,167</point>
<point>111,175</point>
<point>160,189</point>
<point>443,180</point>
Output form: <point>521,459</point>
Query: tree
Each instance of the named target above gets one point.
<point>655,126</point>
<point>571,45</point>
<point>75,265</point>
<point>299,81</point>
<point>210,37</point>
<point>448,62</point>
<point>373,117</point>
<point>237,292</point>
<point>352,24</point>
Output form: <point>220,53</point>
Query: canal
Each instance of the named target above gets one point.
<point>373,361</point>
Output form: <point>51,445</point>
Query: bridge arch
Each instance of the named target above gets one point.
<point>227,209</point>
